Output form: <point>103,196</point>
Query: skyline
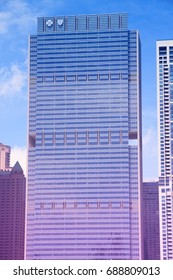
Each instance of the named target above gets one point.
<point>150,18</point>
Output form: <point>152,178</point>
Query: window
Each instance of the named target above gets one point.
<point>171,74</point>
<point>162,50</point>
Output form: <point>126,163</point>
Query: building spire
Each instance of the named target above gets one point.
<point>17,168</point>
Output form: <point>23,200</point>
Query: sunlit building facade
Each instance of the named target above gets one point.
<point>165,129</point>
<point>12,213</point>
<point>4,157</point>
<point>84,139</point>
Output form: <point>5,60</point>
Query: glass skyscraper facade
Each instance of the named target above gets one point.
<point>84,139</point>
<point>165,135</point>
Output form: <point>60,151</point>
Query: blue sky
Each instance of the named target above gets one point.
<point>18,19</point>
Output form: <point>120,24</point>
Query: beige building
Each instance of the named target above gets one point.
<point>4,157</point>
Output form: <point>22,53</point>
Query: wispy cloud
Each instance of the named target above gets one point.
<point>150,153</point>
<point>13,15</point>
<point>150,139</point>
<point>18,17</point>
<point>4,19</point>
<point>13,80</point>
<point>19,154</point>
<point>21,15</point>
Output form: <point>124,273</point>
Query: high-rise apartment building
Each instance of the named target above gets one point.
<point>150,214</point>
<point>165,128</point>
<point>12,213</point>
<point>4,157</point>
<point>84,150</point>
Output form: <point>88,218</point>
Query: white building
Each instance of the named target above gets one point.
<point>165,134</point>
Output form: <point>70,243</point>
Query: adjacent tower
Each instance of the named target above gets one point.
<point>5,157</point>
<point>150,216</point>
<point>84,139</point>
<point>165,128</point>
<point>12,213</point>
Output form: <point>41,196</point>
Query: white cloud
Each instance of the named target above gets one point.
<point>13,80</point>
<point>150,137</point>
<point>16,15</point>
<point>150,154</point>
<point>21,15</point>
<point>19,154</point>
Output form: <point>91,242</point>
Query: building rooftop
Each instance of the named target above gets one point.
<point>17,168</point>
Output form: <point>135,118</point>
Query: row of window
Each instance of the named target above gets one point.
<point>87,137</point>
<point>90,77</point>
<point>121,33</point>
<point>81,36</point>
<point>83,23</point>
<point>83,205</point>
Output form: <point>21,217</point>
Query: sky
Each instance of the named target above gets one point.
<point>153,19</point>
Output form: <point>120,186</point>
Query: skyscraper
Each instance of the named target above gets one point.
<point>150,216</point>
<point>4,157</point>
<point>165,129</point>
<point>12,213</point>
<point>84,147</point>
